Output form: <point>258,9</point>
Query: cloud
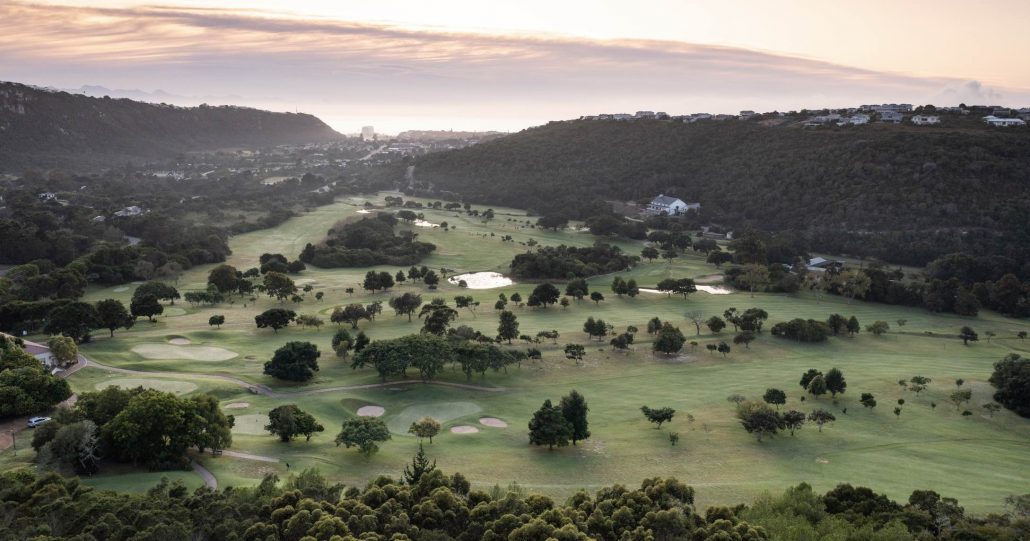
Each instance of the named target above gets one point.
<point>969,92</point>
<point>351,73</point>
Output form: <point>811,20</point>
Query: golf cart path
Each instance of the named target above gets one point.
<point>267,391</point>
<point>208,477</point>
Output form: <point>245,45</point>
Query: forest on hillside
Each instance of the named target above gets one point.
<point>863,190</point>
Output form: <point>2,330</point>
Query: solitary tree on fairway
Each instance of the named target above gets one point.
<point>365,433</point>
<point>793,420</point>
<point>958,397</point>
<point>775,397</point>
<point>406,304</point>
<point>696,317</point>
<point>596,296</point>
<point>868,400</point>
<point>723,348</point>
<point>216,320</point>
<point>546,294</point>
<point>992,408</point>
<point>577,289</point>
<point>715,324</point>
<point>574,352</point>
<point>745,337</point>
<point>649,253</point>
<point>426,427</point>
<point>670,340</point>
<point>146,306</point>
<point>807,377</point>
<point>279,286</point>
<point>295,361</point>
<point>654,325</point>
<point>967,334</point>
<point>289,421</point>
<point>835,382</point>
<point>821,417</point>
<point>878,327</point>
<point>759,419</point>
<point>918,384</point>
<point>508,328</point>
<point>275,318</point>
<point>574,409</point>
<point>658,416</point>
<point>352,313</point>
<point>112,314</point>
<point>817,386</point>
<point>550,427</point>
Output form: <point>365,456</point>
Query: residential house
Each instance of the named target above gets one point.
<point>1003,122</point>
<point>744,115</point>
<point>891,116</point>
<point>926,120</point>
<point>821,264</point>
<point>644,114</point>
<point>129,211</point>
<point>38,351</point>
<point>670,205</point>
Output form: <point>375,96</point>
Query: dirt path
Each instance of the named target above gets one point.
<point>209,478</point>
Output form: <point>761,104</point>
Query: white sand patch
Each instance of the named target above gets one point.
<point>423,223</point>
<point>714,290</point>
<point>482,280</point>
<point>180,341</point>
<point>371,411</point>
<point>120,289</point>
<point>493,421</point>
<point>364,211</point>
<point>188,353</point>
<point>464,429</point>
<point>237,406</point>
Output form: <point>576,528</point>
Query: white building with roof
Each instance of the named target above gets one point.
<point>926,120</point>
<point>1003,122</point>
<point>670,205</point>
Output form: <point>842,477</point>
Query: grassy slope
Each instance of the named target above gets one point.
<point>924,448</point>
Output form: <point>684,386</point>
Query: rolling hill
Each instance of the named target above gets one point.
<point>958,182</point>
<point>46,128</point>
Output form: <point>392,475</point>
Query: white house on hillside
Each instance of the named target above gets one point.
<point>926,120</point>
<point>670,205</point>
<point>995,121</point>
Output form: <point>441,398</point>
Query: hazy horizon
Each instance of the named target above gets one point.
<point>401,66</point>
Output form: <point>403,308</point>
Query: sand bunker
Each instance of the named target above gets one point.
<point>252,424</point>
<point>119,289</point>
<point>371,411</point>
<point>179,352</point>
<point>493,421</point>
<point>464,429</point>
<point>714,290</point>
<point>423,223</point>
<point>180,341</point>
<point>482,280</point>
<point>364,211</point>
<point>166,385</point>
<point>237,405</point>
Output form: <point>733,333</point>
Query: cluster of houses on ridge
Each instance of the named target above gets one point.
<point>894,113</point>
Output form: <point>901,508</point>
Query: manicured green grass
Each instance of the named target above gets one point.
<point>977,459</point>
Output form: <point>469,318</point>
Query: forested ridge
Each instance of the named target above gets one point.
<point>44,128</point>
<point>953,187</point>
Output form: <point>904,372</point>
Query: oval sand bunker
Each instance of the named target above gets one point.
<point>482,280</point>
<point>371,411</point>
<point>464,429</point>
<point>493,422</point>
<point>237,405</point>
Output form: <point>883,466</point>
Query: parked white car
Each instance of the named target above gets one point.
<point>36,421</point>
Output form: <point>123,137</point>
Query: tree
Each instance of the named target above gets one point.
<point>959,397</point>
<point>406,304</point>
<point>574,408</point>
<point>112,315</point>
<point>153,428</point>
<point>697,317</point>
<point>552,222</point>
<point>853,283</point>
<point>516,298</point>
<point>649,253</point>
<point>64,350</point>
<point>436,317</point>
<point>160,290</point>
<point>466,301</point>
<point>967,334</point>
<point>654,325</point>
<point>669,341</point>
<point>307,320</point>
<point>736,398</point>
<point>508,328</point>
<point>759,419</point>
<point>853,326</point>
<point>835,382</point>
<point>399,277</point>
<point>372,281</point>
<point>718,258</point>
<point>225,278</point>
<point>992,408</point>
<point>807,377</point>
<point>426,427</point>
<point>295,361</point>
<point>658,416</point>
<point>775,397</point>
<point>745,338</point>
<point>821,417</point>
<point>619,286</point>
<point>289,421</point>
<point>752,319</point>
<point>275,318</point>
<point>216,320</point>
<point>430,278</point>
<point>1011,379</point>
<point>715,324</point>
<point>868,400</point>
<point>918,384</point>
<point>342,343</point>
<point>279,286</point>
<point>632,289</point>
<point>723,348</point>
<point>546,293</point>
<point>420,467</point>
<point>817,386</point>
<point>577,289</point>
<point>365,433</point>
<point>597,297</point>
<point>75,320</point>
<point>352,313</point>
<point>574,352</point>
<point>550,427</point>
<point>878,327</point>
<point>793,420</point>
<point>755,276</point>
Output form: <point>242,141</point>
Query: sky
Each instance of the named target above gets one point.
<point>510,64</point>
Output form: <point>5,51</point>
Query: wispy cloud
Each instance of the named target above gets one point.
<point>353,73</point>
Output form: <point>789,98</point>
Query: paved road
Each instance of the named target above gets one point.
<point>208,477</point>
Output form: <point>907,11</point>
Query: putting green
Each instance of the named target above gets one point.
<point>173,311</point>
<point>189,353</point>
<point>441,411</point>
<point>166,385</point>
<point>252,424</point>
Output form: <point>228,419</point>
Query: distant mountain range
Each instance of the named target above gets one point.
<point>50,128</point>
